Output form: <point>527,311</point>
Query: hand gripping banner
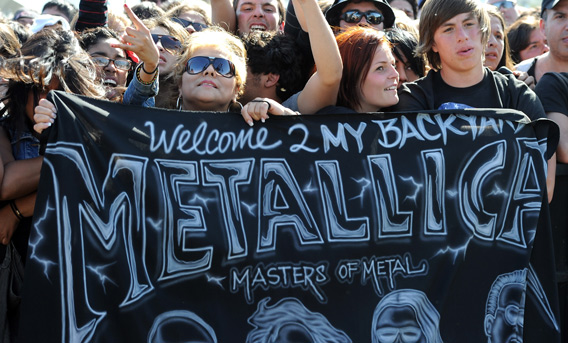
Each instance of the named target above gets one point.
<point>165,226</point>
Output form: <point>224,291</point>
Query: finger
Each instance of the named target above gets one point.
<point>41,126</point>
<point>44,111</point>
<point>43,118</point>
<point>48,104</point>
<point>124,46</point>
<point>246,116</point>
<point>135,20</point>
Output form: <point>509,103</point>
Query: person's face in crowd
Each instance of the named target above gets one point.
<point>379,89</point>
<point>208,90</point>
<point>363,6</point>
<point>110,74</point>
<point>458,42</point>
<point>508,9</point>
<point>404,6</point>
<point>556,29</point>
<point>507,325</point>
<point>398,324</point>
<point>261,15</point>
<point>26,21</point>
<point>168,57</point>
<point>405,72</point>
<point>495,46</point>
<point>194,18</point>
<point>55,11</point>
<point>537,45</point>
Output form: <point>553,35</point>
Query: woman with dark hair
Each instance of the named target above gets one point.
<point>410,67</point>
<point>497,52</point>
<point>526,39</point>
<point>51,59</point>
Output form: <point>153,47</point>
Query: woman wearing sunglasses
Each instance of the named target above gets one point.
<point>193,17</point>
<point>169,37</point>
<point>211,72</point>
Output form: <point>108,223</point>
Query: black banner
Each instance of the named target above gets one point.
<point>165,226</point>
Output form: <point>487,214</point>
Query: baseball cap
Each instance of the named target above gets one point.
<point>548,4</point>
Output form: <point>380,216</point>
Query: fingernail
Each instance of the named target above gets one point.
<point>262,120</point>
<point>250,123</point>
<point>48,124</point>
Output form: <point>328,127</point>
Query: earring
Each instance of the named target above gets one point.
<point>235,102</point>
<point>178,103</point>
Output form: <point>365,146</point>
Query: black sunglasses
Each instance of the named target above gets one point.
<point>102,61</point>
<point>168,42</point>
<point>187,23</point>
<point>198,64</point>
<point>355,16</point>
<point>504,4</point>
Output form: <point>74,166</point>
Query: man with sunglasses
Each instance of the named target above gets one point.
<point>508,9</point>
<point>504,312</point>
<point>346,13</point>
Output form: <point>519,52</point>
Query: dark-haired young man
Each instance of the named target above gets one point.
<point>453,35</point>
<point>274,67</point>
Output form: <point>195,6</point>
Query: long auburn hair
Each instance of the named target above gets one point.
<point>357,47</point>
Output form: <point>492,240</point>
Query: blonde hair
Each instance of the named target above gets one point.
<point>215,37</point>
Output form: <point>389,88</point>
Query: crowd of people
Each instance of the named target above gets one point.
<point>258,58</point>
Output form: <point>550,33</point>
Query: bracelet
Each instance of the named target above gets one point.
<point>140,79</point>
<point>147,72</point>
<point>17,212</point>
<point>266,102</point>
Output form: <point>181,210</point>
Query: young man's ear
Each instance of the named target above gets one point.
<point>271,80</point>
<point>434,47</point>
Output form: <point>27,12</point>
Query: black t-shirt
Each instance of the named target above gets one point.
<point>552,89</point>
<point>494,91</point>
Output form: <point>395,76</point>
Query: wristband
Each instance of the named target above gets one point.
<point>17,212</point>
<point>140,79</point>
<point>147,72</point>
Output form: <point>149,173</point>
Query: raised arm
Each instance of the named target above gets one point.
<point>223,15</point>
<point>321,89</point>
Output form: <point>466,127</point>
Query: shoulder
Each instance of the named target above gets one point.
<point>553,79</point>
<point>526,64</point>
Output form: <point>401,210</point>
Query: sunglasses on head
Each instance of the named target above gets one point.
<point>102,61</point>
<point>168,42</point>
<point>504,4</point>
<point>355,16</point>
<point>187,23</point>
<point>198,64</point>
